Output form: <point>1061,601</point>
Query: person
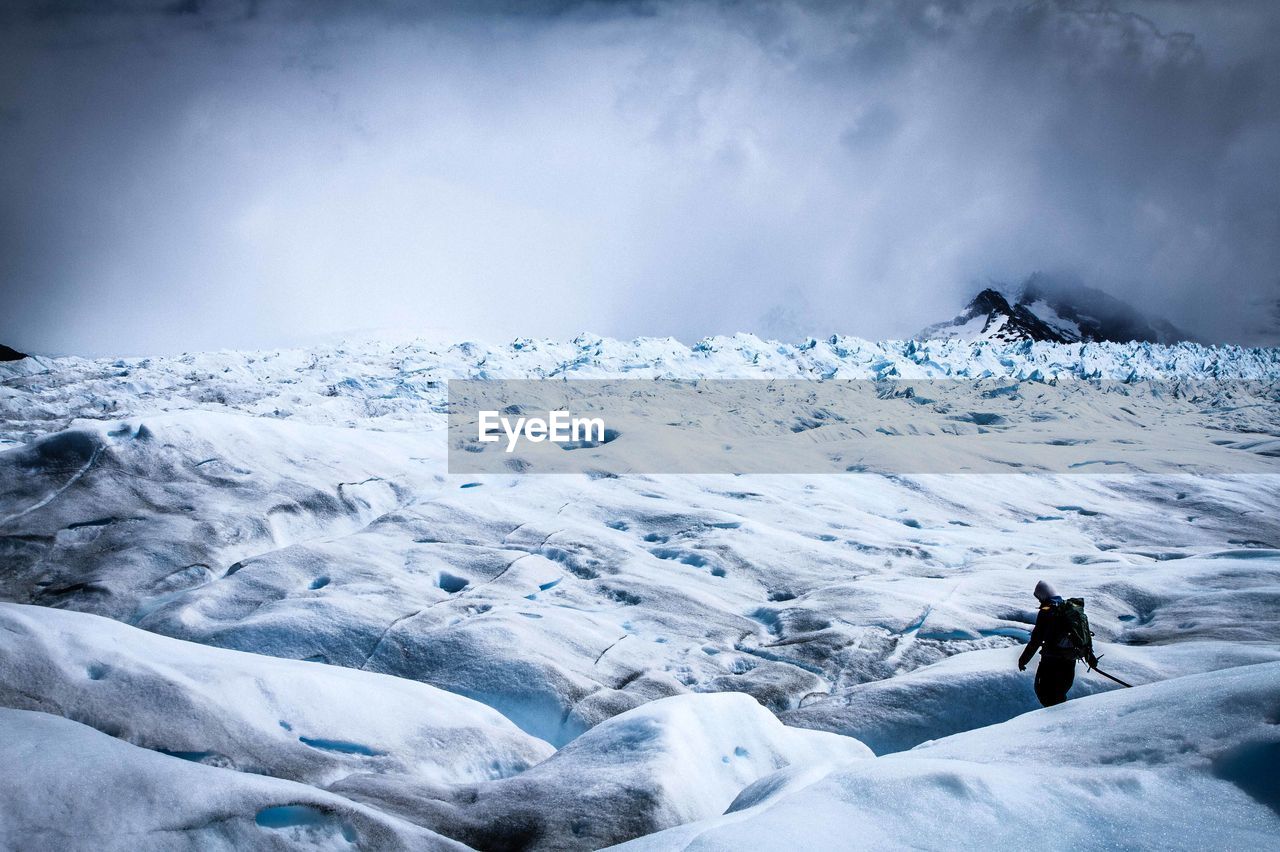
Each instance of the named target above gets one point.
<point>1051,636</point>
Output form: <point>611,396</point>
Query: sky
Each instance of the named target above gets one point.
<point>183,176</point>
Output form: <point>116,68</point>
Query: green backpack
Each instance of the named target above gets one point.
<point>1077,624</point>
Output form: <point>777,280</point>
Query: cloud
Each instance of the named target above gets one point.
<point>181,176</point>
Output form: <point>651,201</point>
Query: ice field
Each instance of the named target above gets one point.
<point>243,604</point>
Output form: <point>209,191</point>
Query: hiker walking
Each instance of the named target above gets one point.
<point>1062,636</point>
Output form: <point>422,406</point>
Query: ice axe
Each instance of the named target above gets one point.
<point>1108,676</point>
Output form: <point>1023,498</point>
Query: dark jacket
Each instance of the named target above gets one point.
<point>1050,633</point>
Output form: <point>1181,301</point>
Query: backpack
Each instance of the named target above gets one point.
<point>1076,625</point>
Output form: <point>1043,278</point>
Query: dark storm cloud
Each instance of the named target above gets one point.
<point>203,174</point>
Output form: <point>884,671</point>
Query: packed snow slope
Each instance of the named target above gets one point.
<point>351,646</point>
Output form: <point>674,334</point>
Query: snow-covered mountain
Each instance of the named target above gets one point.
<point>243,603</point>
<point>1046,310</point>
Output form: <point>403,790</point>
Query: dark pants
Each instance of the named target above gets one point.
<point>1053,678</point>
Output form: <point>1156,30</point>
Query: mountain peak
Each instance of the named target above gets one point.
<point>989,300</point>
<point>989,316</point>
<point>1047,309</point>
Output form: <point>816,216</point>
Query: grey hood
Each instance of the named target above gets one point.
<point>1044,591</point>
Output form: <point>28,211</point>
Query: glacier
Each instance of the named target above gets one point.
<point>244,604</point>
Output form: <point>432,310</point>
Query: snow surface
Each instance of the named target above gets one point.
<point>69,786</point>
<point>438,759</point>
<point>400,385</point>
<point>303,608</point>
<point>301,721</point>
<point>1188,763</point>
<point>669,762</point>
